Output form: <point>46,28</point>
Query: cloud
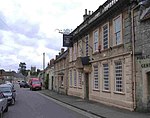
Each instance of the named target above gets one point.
<point>27,28</point>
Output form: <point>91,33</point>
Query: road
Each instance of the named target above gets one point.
<point>30,104</point>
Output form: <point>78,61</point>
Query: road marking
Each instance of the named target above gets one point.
<point>70,107</point>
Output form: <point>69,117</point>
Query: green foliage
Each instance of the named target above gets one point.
<point>46,82</point>
<point>22,68</point>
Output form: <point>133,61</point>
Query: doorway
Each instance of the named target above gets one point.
<point>86,86</point>
<point>52,82</point>
<point>148,91</point>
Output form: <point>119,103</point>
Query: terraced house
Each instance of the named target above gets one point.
<point>60,83</point>
<point>102,56</point>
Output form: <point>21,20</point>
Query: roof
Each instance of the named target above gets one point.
<point>105,11</point>
<point>62,56</point>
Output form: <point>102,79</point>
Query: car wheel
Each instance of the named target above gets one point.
<point>12,101</point>
<point>6,109</point>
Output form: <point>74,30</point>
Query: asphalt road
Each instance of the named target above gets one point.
<point>30,104</point>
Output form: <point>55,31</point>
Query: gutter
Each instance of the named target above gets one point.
<point>133,59</point>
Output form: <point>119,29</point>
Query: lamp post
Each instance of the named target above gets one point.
<point>43,66</point>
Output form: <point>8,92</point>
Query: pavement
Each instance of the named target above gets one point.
<point>94,108</point>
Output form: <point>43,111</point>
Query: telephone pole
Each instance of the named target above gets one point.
<point>43,66</point>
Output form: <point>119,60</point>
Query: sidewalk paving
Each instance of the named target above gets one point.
<point>94,108</point>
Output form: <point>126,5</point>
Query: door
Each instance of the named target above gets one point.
<point>52,82</point>
<point>148,91</point>
<point>86,86</point>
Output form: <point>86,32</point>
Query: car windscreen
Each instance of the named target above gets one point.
<point>36,82</point>
<point>5,89</point>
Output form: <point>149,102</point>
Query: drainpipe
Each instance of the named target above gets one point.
<point>133,59</point>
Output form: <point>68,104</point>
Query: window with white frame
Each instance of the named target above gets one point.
<point>95,41</point>
<point>117,30</point>
<point>75,77</point>
<point>118,77</point>
<point>70,78</point>
<point>75,51</point>
<point>106,76</point>
<point>80,50</point>
<point>80,79</point>
<point>70,54</point>
<point>62,81</point>
<point>87,45</point>
<point>105,36</point>
<point>96,82</point>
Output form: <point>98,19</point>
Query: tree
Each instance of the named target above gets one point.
<point>22,68</point>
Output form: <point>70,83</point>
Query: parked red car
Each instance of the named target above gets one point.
<point>35,84</point>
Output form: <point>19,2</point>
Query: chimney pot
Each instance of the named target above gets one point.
<point>85,11</point>
<point>62,50</point>
<point>89,12</point>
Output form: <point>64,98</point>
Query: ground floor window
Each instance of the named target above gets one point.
<point>118,77</point>
<point>105,76</point>
<point>75,77</point>
<point>80,79</point>
<point>70,78</point>
<point>96,82</point>
<point>62,81</point>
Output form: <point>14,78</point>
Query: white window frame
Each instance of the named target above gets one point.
<point>106,81</point>
<point>75,51</point>
<point>62,81</point>
<point>70,54</point>
<point>95,40</point>
<point>104,38</point>
<point>115,32</point>
<point>80,48</point>
<point>118,67</point>
<point>70,80</point>
<point>87,45</point>
<point>79,79</point>
<point>75,77</point>
<point>96,79</point>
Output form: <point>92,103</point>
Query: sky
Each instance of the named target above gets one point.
<point>29,28</point>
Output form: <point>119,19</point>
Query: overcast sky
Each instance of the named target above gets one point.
<point>28,29</point>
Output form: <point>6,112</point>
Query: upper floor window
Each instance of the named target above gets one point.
<point>105,36</point>
<point>80,50</point>
<point>87,45</point>
<point>75,51</point>
<point>117,30</point>
<point>70,54</point>
<point>95,41</point>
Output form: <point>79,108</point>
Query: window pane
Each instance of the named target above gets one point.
<point>118,71</point>
<point>106,76</point>
<point>75,78</point>
<point>117,30</point>
<point>95,77</point>
<point>80,79</point>
<point>105,36</point>
<point>95,40</point>
<point>87,45</point>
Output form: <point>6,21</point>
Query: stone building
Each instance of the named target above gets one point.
<point>141,52</point>
<point>61,72</point>
<point>49,73</point>
<point>102,61</point>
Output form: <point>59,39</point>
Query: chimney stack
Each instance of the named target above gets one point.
<point>85,15</point>
<point>62,50</point>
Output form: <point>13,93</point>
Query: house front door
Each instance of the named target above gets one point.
<point>86,86</point>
